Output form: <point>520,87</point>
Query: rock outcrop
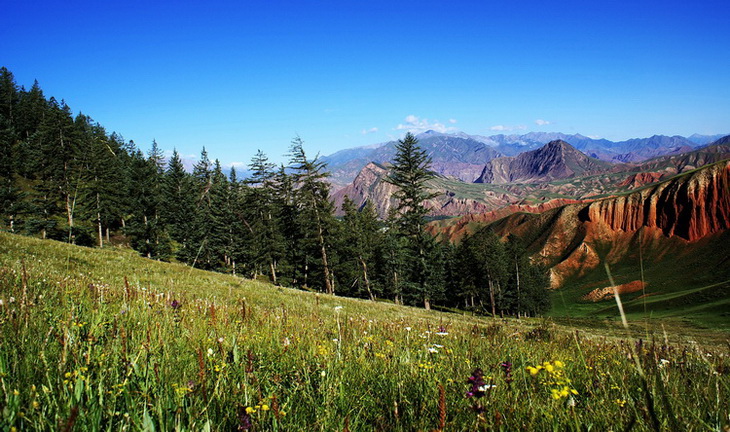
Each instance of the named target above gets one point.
<point>638,180</point>
<point>665,219</point>
<point>691,206</point>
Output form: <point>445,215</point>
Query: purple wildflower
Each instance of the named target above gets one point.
<point>175,305</point>
<point>478,386</point>
<point>244,419</point>
<point>507,367</point>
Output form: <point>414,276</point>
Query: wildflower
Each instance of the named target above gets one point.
<point>244,419</point>
<point>663,362</point>
<point>478,386</point>
<point>432,350</point>
<point>533,370</point>
<point>264,407</point>
<point>408,329</point>
<point>338,308</point>
<point>507,368</point>
<point>442,331</point>
<point>210,352</point>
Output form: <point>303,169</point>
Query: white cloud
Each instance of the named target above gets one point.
<point>369,131</point>
<point>503,128</point>
<point>541,122</point>
<point>416,124</point>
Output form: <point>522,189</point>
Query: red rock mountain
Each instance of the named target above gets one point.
<point>369,186</point>
<point>675,217</point>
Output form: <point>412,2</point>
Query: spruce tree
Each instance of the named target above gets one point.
<point>410,171</point>
<point>261,216</point>
<point>361,242</point>
<point>315,213</point>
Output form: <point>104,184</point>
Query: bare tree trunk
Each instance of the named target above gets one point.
<point>98,221</point>
<point>395,288</point>
<point>328,285</point>
<point>491,297</point>
<point>517,268</point>
<point>273,271</point>
<point>427,303</point>
<point>365,278</point>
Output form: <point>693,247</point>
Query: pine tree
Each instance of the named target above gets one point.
<point>315,211</point>
<point>102,182</point>
<point>409,174</point>
<point>178,202</point>
<point>148,233</point>
<point>361,242</point>
<point>260,215</point>
<point>10,197</point>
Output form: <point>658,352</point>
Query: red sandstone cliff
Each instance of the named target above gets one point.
<point>691,206</point>
<point>576,239</point>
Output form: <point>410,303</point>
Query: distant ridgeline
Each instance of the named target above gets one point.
<point>63,177</point>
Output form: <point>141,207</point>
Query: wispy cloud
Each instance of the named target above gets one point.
<point>541,122</point>
<point>369,131</point>
<point>503,128</point>
<point>416,124</point>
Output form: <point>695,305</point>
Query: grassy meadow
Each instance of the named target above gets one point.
<point>105,340</point>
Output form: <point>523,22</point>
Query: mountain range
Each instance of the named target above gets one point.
<point>665,244</point>
<point>555,171</point>
<point>463,156</point>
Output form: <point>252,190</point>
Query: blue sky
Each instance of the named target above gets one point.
<point>240,76</point>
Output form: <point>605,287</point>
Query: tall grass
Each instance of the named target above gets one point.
<point>103,340</point>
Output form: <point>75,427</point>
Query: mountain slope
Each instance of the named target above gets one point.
<point>555,160</point>
<point>679,230</point>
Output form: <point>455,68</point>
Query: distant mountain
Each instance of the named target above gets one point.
<point>663,167</point>
<point>462,156</point>
<point>704,139</point>
<point>453,197</point>
<point>452,156</point>
<point>555,160</point>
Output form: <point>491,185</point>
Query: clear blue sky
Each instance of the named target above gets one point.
<point>242,75</point>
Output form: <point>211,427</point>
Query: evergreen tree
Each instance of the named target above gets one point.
<point>260,215</point>
<point>315,215</point>
<point>361,242</point>
<point>146,229</point>
<point>102,186</point>
<point>409,174</point>
<point>10,196</point>
<point>200,252</point>
<point>177,203</point>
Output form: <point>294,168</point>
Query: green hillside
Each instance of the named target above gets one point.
<point>174,348</point>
